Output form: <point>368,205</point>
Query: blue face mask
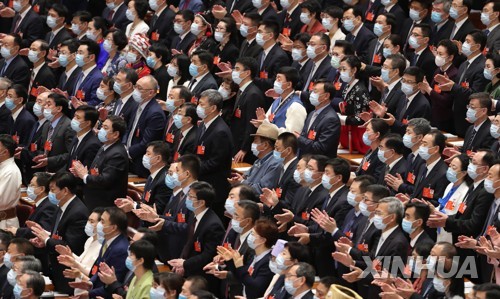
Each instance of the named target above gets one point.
<point>381,156</point>
<point>487,74</point>
<point>414,15</point>
<point>75,125</point>
<point>413,42</point>
<point>156,293</point>
<point>182,296</point>
<point>451,175</point>
<point>290,289</point>
<point>472,171</point>
<point>384,73</point>
<point>11,277</point>
<point>308,176</point>
<point>254,149</point>
<point>31,193</point>
<point>9,103</point>
<point>277,156</point>
<point>325,181</point>
<point>17,291</point>
<point>235,224</point>
<point>273,267</point>
<point>363,208</point>
<point>386,52</point>
<point>170,103</point>
<point>193,70</point>
<point>151,62</point>
<point>117,88</point>
<point>251,241</point>
<point>7,260</point>
<point>454,13</point>
<point>296,176</point>
<point>378,221</point>
<point>146,162</point>
<point>200,111</point>
<point>436,17</point>
<point>102,135</point>
<point>53,198</point>
<point>178,121</point>
<point>129,264</point>
<point>169,181</point>
<point>63,60</point>
<point>408,226</point>
<point>349,25</point>
<point>190,205</point>
<point>406,89</point>
<point>79,60</point>
<point>351,199</point>
<point>423,152</point>
<point>494,131</point>
<point>407,141</point>
<point>37,110</point>
<point>366,139</point>
<point>378,29</point>
<point>229,206</point>
<point>466,49</point>
<point>471,115</point>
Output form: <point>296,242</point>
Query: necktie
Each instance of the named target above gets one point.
<point>118,107</point>
<point>32,79</point>
<point>377,48</point>
<point>415,59</point>
<point>385,94</point>
<point>4,67</point>
<point>311,73</point>
<point>51,37</point>
<point>153,20</point>
<point>454,31</point>
<point>379,245</point>
<point>465,70</point>
<point>97,158</point>
<point>50,132</point>
<point>471,139</point>
<point>110,14</point>
<point>491,217</point>
<point>103,248</point>
<point>193,81</point>
<point>34,131</point>
<point>58,219</point>
<point>244,48</point>
<point>186,4</point>
<point>75,146</point>
<point>170,122</point>
<point>181,136</point>
<point>79,81</point>
<point>203,129</point>
<point>132,131</point>
<point>232,6</point>
<point>189,244</point>
<point>262,59</point>
<point>487,32</point>
<point>18,21</point>
<point>387,169</point>
<point>469,192</point>
<point>403,111</point>
<point>313,118</point>
<point>410,158</point>
<point>62,81</point>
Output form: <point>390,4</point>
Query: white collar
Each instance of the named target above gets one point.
<point>25,12</point>
<point>414,240</point>
<point>394,162</point>
<point>83,136</point>
<point>431,166</point>
<point>153,175</point>
<point>391,86</point>
<point>63,207</point>
<point>479,126</point>
<point>71,70</point>
<point>200,216</point>
<point>473,58</point>
<point>210,122</point>
<point>336,190</point>
<point>87,71</point>
<point>459,24</point>
<point>242,88</point>
<point>16,114</point>
<point>388,232</point>
<point>314,187</point>
<point>285,167</point>
<point>355,32</point>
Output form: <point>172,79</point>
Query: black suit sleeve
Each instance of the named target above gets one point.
<point>114,167</point>
<point>473,225</point>
<point>213,235</point>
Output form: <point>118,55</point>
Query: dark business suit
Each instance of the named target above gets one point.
<point>493,41</point>
<point>244,111</point>
<point>128,110</point>
<point>322,136</point>
<point>370,164</point>
<point>60,37</point>
<point>393,99</point>
<point>175,228</point>
<point>68,232</point>
<point>62,139</point>
<point>291,22</point>
<point>119,18</point>
<point>22,127</point>
<point>45,77</point>
<point>216,159</point>
<point>162,27</point>
<point>442,103</point>
<point>250,50</point>
<point>114,256</point>
<point>321,72</point>
<point>31,27</point>
<point>434,180</point>
<point>270,64</point>
<point>414,163</point>
<point>443,32</point>
<point>111,179</point>
<point>207,82</point>
<point>401,167</point>
<point>5,120</point>
<point>208,235</point>
<point>188,144</point>
<point>423,238</point>
<point>43,215</point>
<point>287,188</point>
<point>89,86</point>
<point>482,138</point>
<point>35,144</point>
<point>269,14</point>
<point>465,29</point>
<point>361,42</point>
<point>183,45</point>
<point>424,61</point>
<point>305,201</point>
<point>258,280</point>
<point>399,13</point>
<point>149,128</point>
<point>17,71</point>
<point>156,192</point>
<point>470,82</point>
<point>419,107</point>
<point>69,84</point>
<point>407,28</point>
<point>242,6</point>
<point>86,151</point>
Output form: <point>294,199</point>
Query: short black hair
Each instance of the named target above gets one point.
<point>90,114</point>
<point>267,229</point>
<point>170,281</point>
<point>5,238</point>
<point>451,47</point>
<point>197,283</point>
<point>254,17</point>
<point>130,75</point>
<point>141,7</point>
<point>340,167</point>
<point>184,93</point>
<point>379,126</point>
<point>492,290</point>
<point>357,12</point>
<point>479,37</point>
<point>92,47</point>
<point>394,142</point>
<point>364,181</point>
<point>119,38</point>
<point>20,91</point>
<point>422,211</point>
<point>72,45</point>
<point>191,163</point>
<point>186,14</point>
<point>205,57</point>
<point>162,51</point>
<point>100,24</point>
<point>251,209</point>
<point>148,235</point>
<point>488,158</point>
<point>302,37</point>
<point>438,139</point>
<point>247,192</point>
<point>289,140</point>
<point>204,191</point>
<point>191,112</point>
<point>42,179</point>
<point>334,12</point>
<point>398,62</point>
<point>118,124</point>
<point>145,250</point>
<point>423,249</point>
<point>313,6</point>
<point>83,15</point>
<point>425,28</point>
<point>324,38</point>
<point>9,143</point>
<point>117,217</point>
<point>60,101</point>
<point>353,62</point>
<point>271,26</point>
<point>378,192</point>
<point>346,46</point>
<point>249,63</point>
<point>23,246</point>
<point>35,282</point>
<point>395,39</point>
<point>417,72</point>
<point>299,252</point>
<point>202,294</point>
<point>327,87</point>
<point>390,19</point>
<point>64,179</point>
<point>161,148</point>
<point>60,9</point>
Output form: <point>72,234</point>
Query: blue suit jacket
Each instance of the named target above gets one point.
<point>89,86</point>
<point>114,256</point>
<point>257,282</point>
<point>149,128</point>
<point>361,43</point>
<point>23,126</point>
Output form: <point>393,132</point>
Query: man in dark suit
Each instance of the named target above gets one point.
<point>115,14</point>
<point>414,104</point>
<point>89,79</point>
<point>43,210</point>
<point>202,64</point>
<point>463,25</point>
<point>272,57</point>
<point>182,27</point>
<point>41,74</point>
<point>28,24</point>
<point>492,30</point>
<point>147,124</point>
<point>106,177</point>
<point>67,227</point>
<point>248,99</point>
<point>114,251</point>
<point>422,56</point>
<point>301,277</point>
<point>22,121</point>
<point>289,19</point>
<point>389,84</point>
<point>391,150</point>
<point>205,232</point>
<point>5,238</point>
<point>12,65</point>
<point>431,179</point>
<point>249,47</point>
<point>68,79</point>
<point>415,223</point>
<point>321,131</point>
<point>214,147</point>
<point>420,14</point>
<point>126,106</point>
<point>185,138</point>
<point>56,21</point>
<point>443,25</point>
<point>5,118</point>
<point>470,79</point>
<point>160,26</point>
<point>359,35</point>
<point>244,6</point>
<point>317,67</point>
<point>266,10</point>
<point>399,14</point>
<point>177,96</point>
<point>15,247</point>
<point>478,134</point>
<point>58,135</point>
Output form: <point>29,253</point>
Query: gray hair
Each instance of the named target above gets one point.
<point>421,126</point>
<point>307,271</point>
<point>446,4</point>
<point>29,262</point>
<point>36,282</point>
<point>214,98</point>
<point>394,206</point>
<point>5,83</point>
